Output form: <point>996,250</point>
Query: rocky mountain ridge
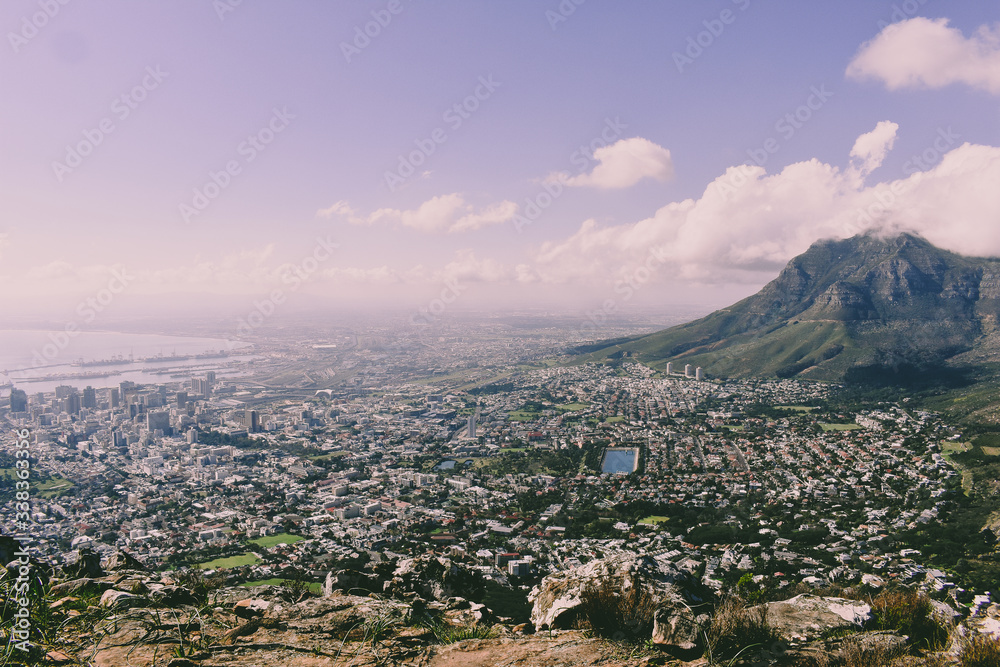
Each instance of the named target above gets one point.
<point>856,308</point>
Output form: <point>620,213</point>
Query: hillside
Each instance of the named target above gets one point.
<point>864,308</point>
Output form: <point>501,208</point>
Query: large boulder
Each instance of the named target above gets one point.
<point>119,600</point>
<point>341,616</point>
<point>251,608</point>
<point>81,587</point>
<point>120,561</point>
<point>675,627</point>
<point>164,595</point>
<point>434,577</point>
<point>651,586</point>
<point>87,564</point>
<point>807,617</point>
<point>8,547</point>
<point>986,622</point>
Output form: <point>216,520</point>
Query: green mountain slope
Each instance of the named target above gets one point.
<point>864,305</point>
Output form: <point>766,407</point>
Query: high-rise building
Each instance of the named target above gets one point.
<point>129,391</point>
<point>62,391</point>
<point>71,404</point>
<point>18,400</point>
<point>89,397</point>
<point>688,370</point>
<point>670,367</point>
<point>115,398</point>
<point>251,421</point>
<point>698,374</point>
<point>182,399</point>
<point>158,421</point>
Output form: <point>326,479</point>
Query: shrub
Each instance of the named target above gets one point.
<point>980,651</point>
<point>449,634</point>
<point>735,627</point>
<point>618,614</point>
<point>200,584</point>
<point>298,587</point>
<point>909,613</point>
<point>855,655</point>
<point>42,623</point>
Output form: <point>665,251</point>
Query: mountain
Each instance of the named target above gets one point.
<point>866,308</point>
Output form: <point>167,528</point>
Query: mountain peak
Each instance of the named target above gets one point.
<point>843,304</point>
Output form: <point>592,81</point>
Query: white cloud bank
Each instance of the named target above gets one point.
<point>623,164</point>
<point>927,53</point>
<point>747,224</point>
<point>445,213</point>
<point>742,229</point>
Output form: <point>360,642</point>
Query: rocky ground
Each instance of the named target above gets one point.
<point>625,610</point>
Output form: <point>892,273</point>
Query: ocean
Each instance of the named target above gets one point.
<point>35,360</point>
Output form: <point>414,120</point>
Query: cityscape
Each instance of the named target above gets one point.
<point>477,333</point>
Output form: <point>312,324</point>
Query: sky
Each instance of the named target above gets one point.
<point>194,157</point>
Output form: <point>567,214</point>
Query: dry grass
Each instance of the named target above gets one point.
<point>980,651</point>
<point>909,613</point>
<point>856,655</point>
<point>735,628</point>
<point>618,614</point>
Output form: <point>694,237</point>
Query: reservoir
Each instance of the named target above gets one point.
<point>620,461</point>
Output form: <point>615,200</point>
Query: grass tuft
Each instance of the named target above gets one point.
<point>735,628</point>
<point>613,613</point>
<point>909,613</point>
<point>980,651</point>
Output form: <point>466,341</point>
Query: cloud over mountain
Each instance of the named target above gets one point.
<point>748,223</point>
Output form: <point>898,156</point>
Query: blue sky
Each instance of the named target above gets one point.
<point>333,112</point>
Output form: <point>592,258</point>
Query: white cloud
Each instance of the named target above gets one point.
<point>747,224</point>
<point>927,53</point>
<point>379,275</point>
<point>466,267</point>
<point>52,271</point>
<point>444,213</point>
<point>341,209</point>
<point>625,163</point>
<point>434,215</point>
<point>497,214</point>
<point>742,229</point>
<point>871,148</point>
<point>256,271</point>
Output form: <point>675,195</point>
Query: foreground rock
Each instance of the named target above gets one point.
<point>808,617</point>
<point>675,628</point>
<point>122,561</point>
<point>434,577</point>
<point>119,600</point>
<point>86,565</point>
<point>658,585</point>
<point>986,622</point>
<point>562,649</point>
